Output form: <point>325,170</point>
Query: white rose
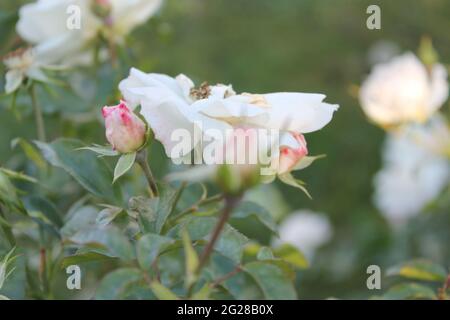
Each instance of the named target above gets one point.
<point>402,91</point>
<point>171,103</point>
<point>21,64</point>
<point>44,24</point>
<point>126,15</point>
<point>214,116</point>
<point>415,170</point>
<point>167,105</point>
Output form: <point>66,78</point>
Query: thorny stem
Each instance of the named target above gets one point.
<point>40,126</point>
<point>196,206</point>
<point>177,197</point>
<point>141,159</point>
<point>230,203</point>
<point>226,276</point>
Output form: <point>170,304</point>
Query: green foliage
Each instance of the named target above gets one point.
<point>91,172</point>
<point>410,291</point>
<point>124,164</point>
<point>419,270</point>
<point>74,201</point>
<point>271,279</point>
<point>117,284</point>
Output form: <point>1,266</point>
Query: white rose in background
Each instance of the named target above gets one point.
<point>403,90</point>
<point>416,170</point>
<point>305,230</point>
<point>44,24</point>
<point>22,64</point>
<point>126,15</point>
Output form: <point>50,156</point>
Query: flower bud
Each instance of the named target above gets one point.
<point>289,157</point>
<point>124,130</point>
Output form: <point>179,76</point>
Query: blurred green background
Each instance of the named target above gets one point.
<point>284,45</point>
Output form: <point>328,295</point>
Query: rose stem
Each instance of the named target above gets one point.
<point>141,159</point>
<point>230,203</point>
<point>40,127</point>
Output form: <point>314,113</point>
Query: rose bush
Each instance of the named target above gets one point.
<point>117,192</point>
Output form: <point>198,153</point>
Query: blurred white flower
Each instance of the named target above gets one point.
<point>21,64</point>
<point>305,230</point>
<point>44,23</point>
<point>403,90</point>
<point>126,15</point>
<point>416,169</point>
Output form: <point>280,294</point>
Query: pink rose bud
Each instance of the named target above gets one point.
<point>125,131</point>
<point>289,157</point>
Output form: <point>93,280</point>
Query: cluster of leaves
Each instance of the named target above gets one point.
<point>149,246</point>
<point>425,280</point>
<point>135,247</point>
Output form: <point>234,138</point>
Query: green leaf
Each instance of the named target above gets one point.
<point>409,291</point>
<point>149,247</point>
<point>107,215</point>
<point>154,211</point>
<point>83,258</point>
<point>192,260</point>
<point>166,198</point>
<point>265,253</point>
<point>240,286</point>
<point>288,179</point>
<point>291,255</point>
<point>81,218</point>
<point>419,270</point>
<point>47,208</point>
<point>30,151</point>
<point>105,151</point>
<point>272,280</point>
<point>5,223</point>
<point>18,175</point>
<point>115,284</point>
<point>203,293</point>
<point>306,161</point>
<point>124,164</point>
<point>90,171</point>
<point>230,243</point>
<point>110,238</point>
<point>161,292</point>
<point>248,209</point>
<point>9,196</point>
<point>5,272</point>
